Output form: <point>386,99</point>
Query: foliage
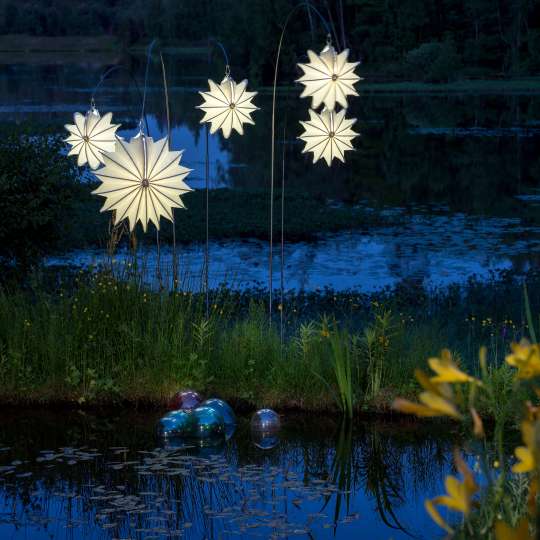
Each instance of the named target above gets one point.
<point>37,189</point>
<point>498,40</point>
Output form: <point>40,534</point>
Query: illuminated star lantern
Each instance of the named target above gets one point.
<point>328,135</point>
<point>328,78</point>
<point>90,136</point>
<point>142,181</point>
<point>227,106</point>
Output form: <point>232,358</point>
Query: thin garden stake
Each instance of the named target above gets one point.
<point>206,269</point>
<point>308,6</point>
<point>282,260</point>
<point>168,112</point>
<point>207,214</point>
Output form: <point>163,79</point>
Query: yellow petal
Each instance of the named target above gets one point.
<point>505,532</point>
<point>436,517</point>
<point>526,460</point>
<point>437,403</point>
<point>408,407</point>
<point>447,371</point>
<point>457,498</point>
<point>478,426</point>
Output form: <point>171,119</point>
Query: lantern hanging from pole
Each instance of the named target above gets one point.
<point>90,136</point>
<point>328,135</point>
<point>328,78</point>
<point>227,106</point>
<point>142,180</point>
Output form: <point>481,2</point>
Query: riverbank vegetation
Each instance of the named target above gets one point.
<point>89,338</point>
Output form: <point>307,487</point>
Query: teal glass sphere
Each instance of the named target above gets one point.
<point>177,423</point>
<point>222,408</point>
<point>209,424</point>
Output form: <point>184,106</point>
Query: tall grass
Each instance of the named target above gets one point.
<point>95,339</point>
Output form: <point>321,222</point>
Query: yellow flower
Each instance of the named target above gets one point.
<point>526,358</point>
<point>520,532</point>
<point>447,370</point>
<point>526,455</point>
<point>458,495</point>
<point>436,400</point>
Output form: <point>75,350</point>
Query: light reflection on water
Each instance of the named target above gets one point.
<point>65,476</point>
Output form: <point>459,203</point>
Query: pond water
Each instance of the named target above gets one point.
<point>461,169</point>
<point>80,476</point>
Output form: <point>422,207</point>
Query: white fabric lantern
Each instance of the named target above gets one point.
<point>328,78</point>
<point>142,181</point>
<point>328,135</point>
<point>227,106</point>
<point>91,136</point>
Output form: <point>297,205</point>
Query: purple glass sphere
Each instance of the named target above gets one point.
<point>186,400</point>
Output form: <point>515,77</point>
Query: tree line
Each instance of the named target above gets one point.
<point>431,40</point>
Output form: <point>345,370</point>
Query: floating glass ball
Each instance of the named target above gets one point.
<point>265,420</point>
<point>223,408</point>
<point>209,424</point>
<point>177,423</point>
<point>186,399</point>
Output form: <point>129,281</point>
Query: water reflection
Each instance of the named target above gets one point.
<point>472,157</point>
<point>429,249</point>
<point>75,475</point>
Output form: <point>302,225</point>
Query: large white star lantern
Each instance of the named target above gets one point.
<point>142,180</point>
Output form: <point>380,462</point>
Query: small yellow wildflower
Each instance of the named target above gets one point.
<point>447,370</point>
<point>526,358</point>
<point>458,495</point>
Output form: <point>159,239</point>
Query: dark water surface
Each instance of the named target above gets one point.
<point>79,476</point>
<point>461,170</point>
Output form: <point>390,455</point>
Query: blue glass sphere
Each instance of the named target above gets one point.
<point>265,420</point>
<point>209,424</point>
<point>185,399</point>
<point>222,408</point>
<point>177,423</point>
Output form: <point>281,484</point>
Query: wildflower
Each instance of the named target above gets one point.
<point>436,400</point>
<point>458,495</point>
<point>447,370</point>
<point>526,358</point>
<point>325,333</point>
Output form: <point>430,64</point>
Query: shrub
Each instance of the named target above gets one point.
<point>37,187</point>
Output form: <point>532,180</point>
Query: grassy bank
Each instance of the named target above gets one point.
<point>92,340</point>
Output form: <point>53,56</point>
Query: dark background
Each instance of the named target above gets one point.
<point>430,40</point>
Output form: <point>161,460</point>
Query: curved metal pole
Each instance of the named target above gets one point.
<point>207,183</point>
<point>106,74</point>
<point>168,112</point>
<point>273,146</point>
